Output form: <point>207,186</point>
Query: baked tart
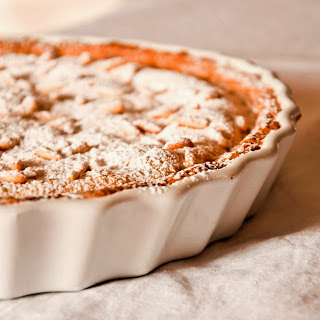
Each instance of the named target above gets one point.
<point>142,127</point>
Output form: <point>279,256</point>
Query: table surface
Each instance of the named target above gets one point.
<point>270,269</point>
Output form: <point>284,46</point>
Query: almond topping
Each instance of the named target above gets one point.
<point>77,171</point>
<point>48,88</point>
<point>45,116</point>
<point>28,106</point>
<point>15,165</point>
<point>179,143</point>
<point>13,176</point>
<point>129,130</point>
<point>85,58</point>
<point>29,173</point>
<point>116,64</point>
<point>113,107</point>
<point>189,160</point>
<point>48,55</point>
<point>8,142</point>
<point>161,113</point>
<point>193,122</point>
<point>80,148</point>
<point>80,100</point>
<point>147,126</point>
<point>241,123</point>
<point>47,154</point>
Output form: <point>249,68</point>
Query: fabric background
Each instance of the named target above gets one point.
<point>270,269</point>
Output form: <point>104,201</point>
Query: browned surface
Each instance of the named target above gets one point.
<point>182,62</point>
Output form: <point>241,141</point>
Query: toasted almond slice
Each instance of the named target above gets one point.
<point>80,100</point>
<point>48,88</point>
<point>28,106</point>
<point>129,130</point>
<point>45,116</point>
<point>57,123</point>
<point>213,96</point>
<point>15,165</point>
<point>115,64</point>
<point>161,113</point>
<point>48,55</point>
<point>13,176</point>
<point>193,122</point>
<point>60,122</point>
<point>178,143</point>
<point>29,173</point>
<point>147,126</point>
<point>85,58</point>
<point>189,160</point>
<point>80,148</point>
<point>47,154</point>
<point>7,143</point>
<point>114,107</point>
<point>241,123</point>
<point>77,171</point>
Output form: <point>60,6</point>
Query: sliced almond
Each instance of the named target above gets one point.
<point>85,58</point>
<point>77,171</point>
<point>7,142</point>
<point>193,122</point>
<point>45,116</point>
<point>48,88</point>
<point>13,176</point>
<point>80,148</point>
<point>241,123</point>
<point>47,154</point>
<point>115,64</point>
<point>179,143</point>
<point>129,130</point>
<point>114,107</point>
<point>48,55</point>
<point>15,165</point>
<point>147,126</point>
<point>161,113</point>
<point>189,160</point>
<point>28,106</point>
<point>30,173</point>
<point>80,100</point>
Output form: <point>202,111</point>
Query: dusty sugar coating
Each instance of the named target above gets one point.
<point>72,125</point>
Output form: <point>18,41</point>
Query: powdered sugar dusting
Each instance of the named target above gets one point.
<point>79,125</point>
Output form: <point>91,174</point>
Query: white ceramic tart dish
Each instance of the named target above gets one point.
<point>110,215</point>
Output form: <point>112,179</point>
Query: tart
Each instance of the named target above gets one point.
<point>151,132</point>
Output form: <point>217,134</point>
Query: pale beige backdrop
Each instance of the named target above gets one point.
<point>271,268</point>
<point>17,16</point>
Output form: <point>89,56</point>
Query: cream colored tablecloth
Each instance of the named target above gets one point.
<point>271,268</point>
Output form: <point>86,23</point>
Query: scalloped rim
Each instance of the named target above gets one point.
<point>286,117</point>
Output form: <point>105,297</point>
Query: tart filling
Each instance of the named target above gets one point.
<point>82,121</point>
